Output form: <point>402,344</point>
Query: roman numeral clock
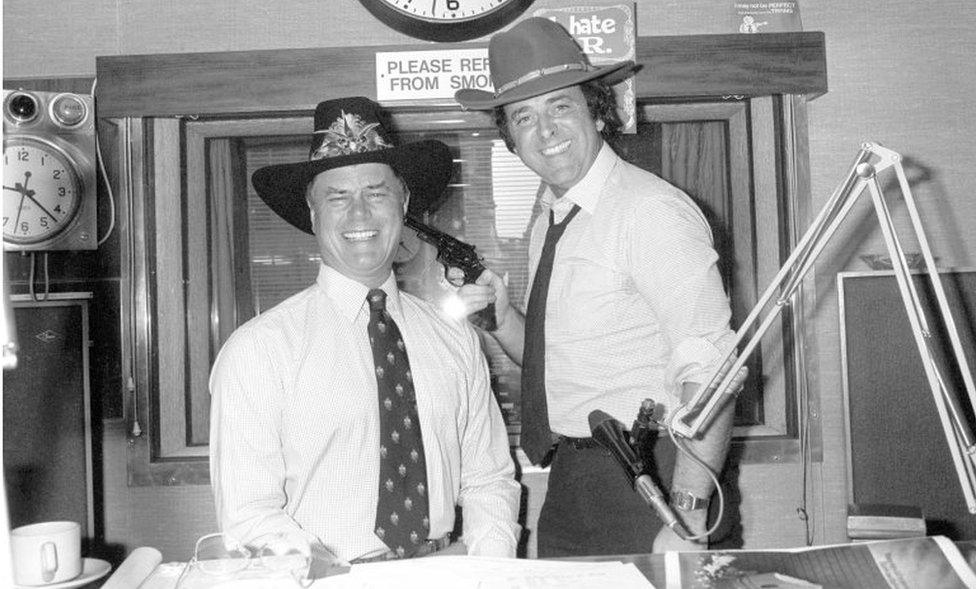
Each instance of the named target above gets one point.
<point>446,20</point>
<point>48,171</point>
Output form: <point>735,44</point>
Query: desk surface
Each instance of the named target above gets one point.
<point>650,565</point>
<point>653,566</point>
<point>165,575</point>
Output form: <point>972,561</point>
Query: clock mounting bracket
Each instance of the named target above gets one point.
<point>49,187</point>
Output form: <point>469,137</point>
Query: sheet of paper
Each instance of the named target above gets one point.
<point>461,572</point>
<point>135,569</point>
<point>932,561</point>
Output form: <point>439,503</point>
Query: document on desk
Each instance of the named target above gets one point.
<point>474,572</point>
<point>932,562</point>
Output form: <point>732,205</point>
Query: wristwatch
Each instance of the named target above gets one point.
<point>685,501</point>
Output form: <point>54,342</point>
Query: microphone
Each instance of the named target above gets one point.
<point>609,433</point>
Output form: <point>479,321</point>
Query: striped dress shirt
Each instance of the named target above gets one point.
<point>294,424</point>
<point>636,304</point>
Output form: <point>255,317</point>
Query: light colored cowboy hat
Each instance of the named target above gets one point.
<point>350,131</point>
<point>534,57</point>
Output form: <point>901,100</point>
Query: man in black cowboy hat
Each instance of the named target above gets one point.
<point>625,303</point>
<point>353,415</point>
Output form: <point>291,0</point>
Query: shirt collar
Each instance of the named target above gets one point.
<point>586,192</point>
<point>349,295</point>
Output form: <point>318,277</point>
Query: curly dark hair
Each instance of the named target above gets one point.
<point>600,101</point>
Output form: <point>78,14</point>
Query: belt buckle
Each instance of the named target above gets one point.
<point>433,545</point>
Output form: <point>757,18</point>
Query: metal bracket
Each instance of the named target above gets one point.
<point>693,418</point>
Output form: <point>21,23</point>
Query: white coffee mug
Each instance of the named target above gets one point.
<point>45,553</point>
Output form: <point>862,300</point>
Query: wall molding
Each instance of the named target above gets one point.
<point>295,80</point>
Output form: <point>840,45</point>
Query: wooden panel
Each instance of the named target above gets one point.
<point>79,84</point>
<point>767,201</point>
<point>897,450</point>
<point>199,314</point>
<point>721,65</point>
<point>297,79</point>
<point>171,216</point>
<point>47,430</point>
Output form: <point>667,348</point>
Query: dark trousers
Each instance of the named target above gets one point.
<point>591,508</point>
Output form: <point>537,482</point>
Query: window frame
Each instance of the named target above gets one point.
<point>143,100</point>
<point>172,158</point>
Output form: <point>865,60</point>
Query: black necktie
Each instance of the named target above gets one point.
<point>536,437</point>
<point>402,520</point>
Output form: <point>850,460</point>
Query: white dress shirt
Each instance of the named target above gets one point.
<point>636,304</point>
<point>295,426</point>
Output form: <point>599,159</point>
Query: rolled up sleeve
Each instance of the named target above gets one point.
<point>680,278</point>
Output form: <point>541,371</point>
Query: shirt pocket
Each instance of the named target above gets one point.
<point>440,386</point>
<point>583,293</point>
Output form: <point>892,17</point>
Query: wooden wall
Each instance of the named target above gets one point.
<point>900,73</point>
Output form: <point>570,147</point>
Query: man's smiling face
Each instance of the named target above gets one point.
<point>555,136</point>
<point>357,216</point>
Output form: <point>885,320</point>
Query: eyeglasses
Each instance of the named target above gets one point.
<point>220,558</point>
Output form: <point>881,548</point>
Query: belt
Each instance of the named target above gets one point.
<point>428,547</point>
<point>580,443</point>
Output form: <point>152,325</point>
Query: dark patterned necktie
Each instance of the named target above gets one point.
<point>402,520</point>
<point>536,437</point>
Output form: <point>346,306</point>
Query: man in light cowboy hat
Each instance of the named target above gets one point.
<point>627,304</point>
<point>317,402</point>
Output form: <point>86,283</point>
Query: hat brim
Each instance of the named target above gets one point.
<point>426,167</point>
<point>473,99</point>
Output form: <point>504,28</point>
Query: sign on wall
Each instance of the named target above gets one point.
<point>605,31</point>
<point>765,17</point>
<point>423,75</point>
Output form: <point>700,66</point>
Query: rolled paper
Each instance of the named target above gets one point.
<point>135,569</point>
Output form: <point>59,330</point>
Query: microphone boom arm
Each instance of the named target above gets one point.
<point>693,418</point>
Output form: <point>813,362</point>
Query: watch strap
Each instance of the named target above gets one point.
<point>685,501</point>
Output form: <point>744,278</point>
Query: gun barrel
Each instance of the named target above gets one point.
<point>453,250</point>
<point>425,231</point>
<point>454,253</point>
<point>421,229</point>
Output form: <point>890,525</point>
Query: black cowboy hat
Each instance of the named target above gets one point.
<point>350,131</point>
<point>534,57</point>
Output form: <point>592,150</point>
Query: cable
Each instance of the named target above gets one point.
<point>130,386</point>
<point>130,256</point>
<point>803,382</point>
<point>47,278</point>
<point>680,445</point>
<point>101,168</point>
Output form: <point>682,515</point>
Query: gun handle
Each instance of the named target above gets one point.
<point>485,318</point>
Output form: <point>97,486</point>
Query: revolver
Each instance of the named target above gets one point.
<point>454,253</point>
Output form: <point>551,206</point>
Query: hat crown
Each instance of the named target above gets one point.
<point>534,45</point>
<point>348,126</point>
<point>352,132</point>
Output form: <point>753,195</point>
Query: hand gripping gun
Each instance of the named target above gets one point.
<point>454,253</point>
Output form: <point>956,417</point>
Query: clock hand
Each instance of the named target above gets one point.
<point>30,194</point>
<point>16,188</point>
<point>20,208</point>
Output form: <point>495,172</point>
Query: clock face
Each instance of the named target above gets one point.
<point>41,191</point>
<point>446,20</point>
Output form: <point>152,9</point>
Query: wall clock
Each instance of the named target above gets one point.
<point>48,172</point>
<point>446,20</point>
<point>42,191</point>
